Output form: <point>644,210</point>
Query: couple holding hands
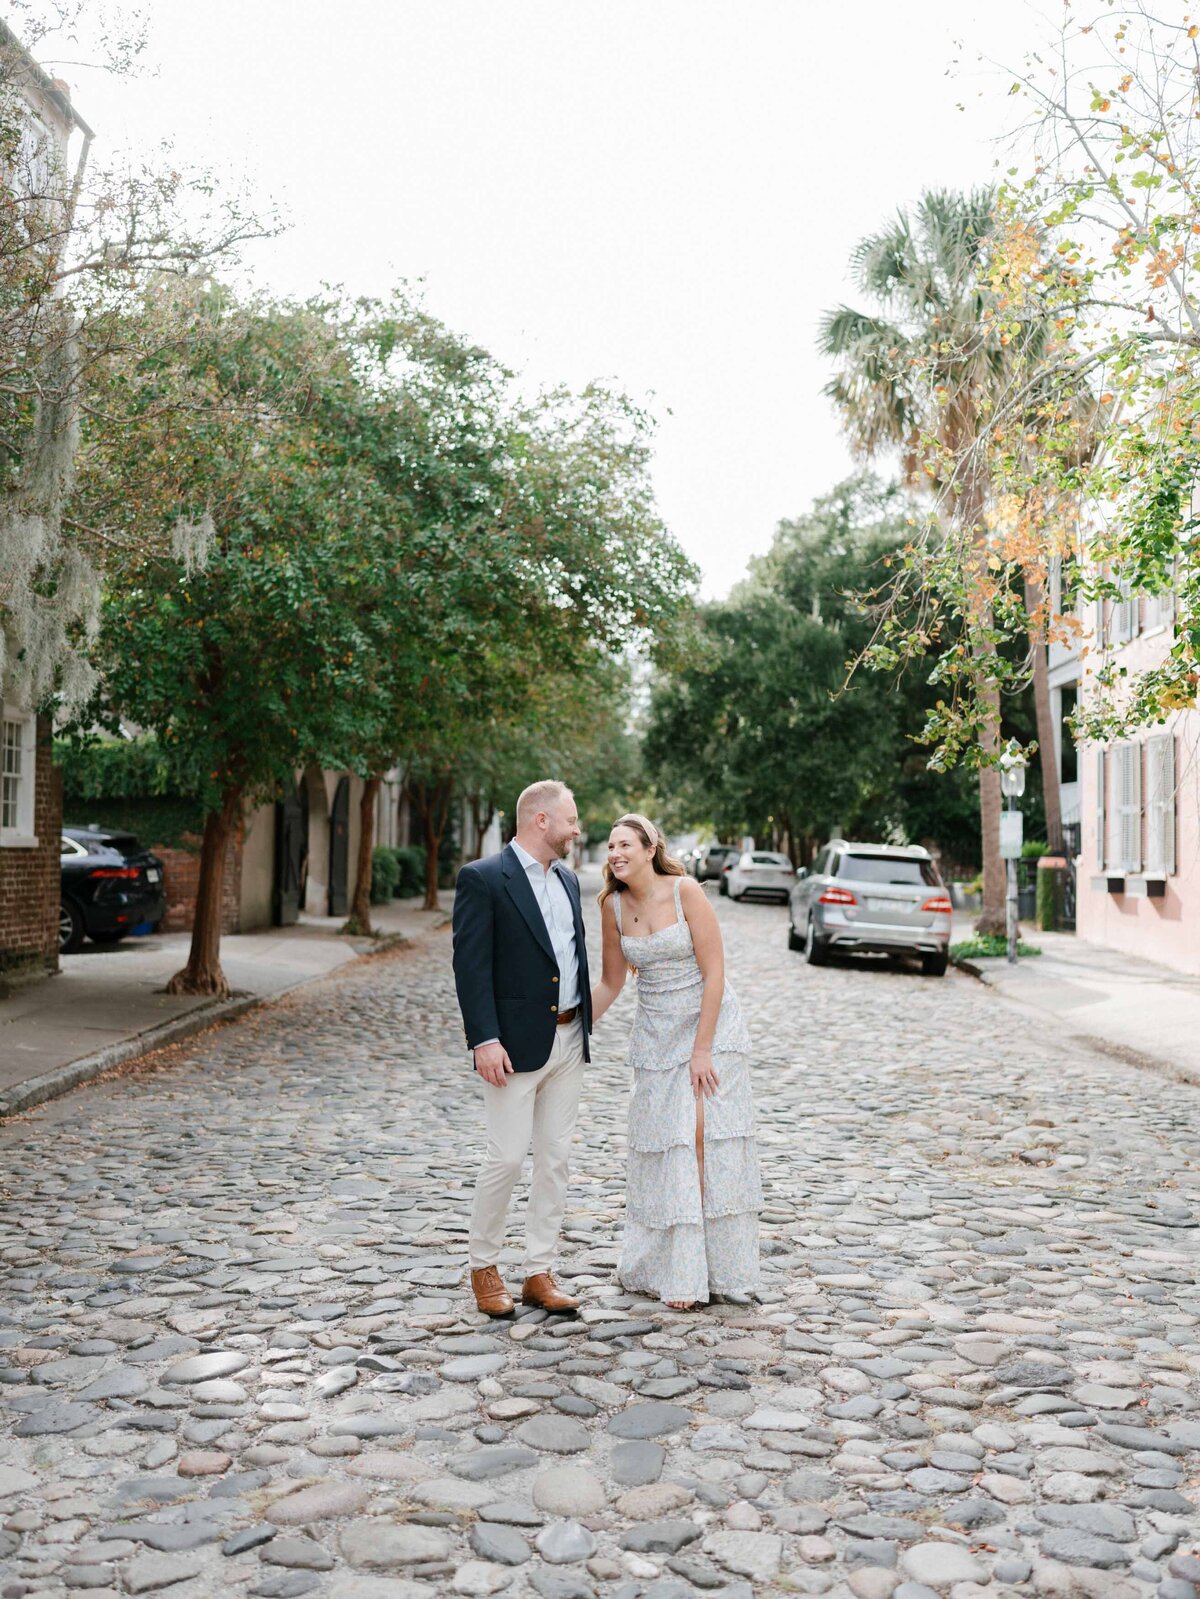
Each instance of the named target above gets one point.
<point>521,971</point>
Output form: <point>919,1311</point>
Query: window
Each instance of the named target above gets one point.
<point>17,764</point>
<point>1129,807</point>
<point>1068,752</point>
<point>1160,805</point>
<point>1160,610</point>
<point>1125,615</point>
<point>889,869</point>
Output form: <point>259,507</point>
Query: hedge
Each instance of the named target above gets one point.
<point>397,873</point>
<point>133,768</point>
<point>125,784</point>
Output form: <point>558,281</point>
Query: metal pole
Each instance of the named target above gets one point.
<point>1010,907</point>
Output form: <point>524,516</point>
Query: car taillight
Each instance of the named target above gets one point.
<point>837,896</point>
<point>939,903</point>
<point>115,871</point>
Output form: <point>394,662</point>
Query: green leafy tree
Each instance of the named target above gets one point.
<point>242,645</point>
<point>761,734</point>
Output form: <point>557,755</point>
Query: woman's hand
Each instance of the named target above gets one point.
<point>704,1079</point>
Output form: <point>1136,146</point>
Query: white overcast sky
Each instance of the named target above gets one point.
<point>663,193</point>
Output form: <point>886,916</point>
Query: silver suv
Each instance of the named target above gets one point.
<point>871,897</point>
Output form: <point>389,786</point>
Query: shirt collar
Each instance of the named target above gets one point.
<point>527,860</point>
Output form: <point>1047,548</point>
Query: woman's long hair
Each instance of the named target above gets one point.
<point>664,865</point>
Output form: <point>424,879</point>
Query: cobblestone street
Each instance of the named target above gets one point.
<point>238,1354</point>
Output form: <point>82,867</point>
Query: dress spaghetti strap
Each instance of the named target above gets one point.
<point>679,916</point>
<point>616,905</point>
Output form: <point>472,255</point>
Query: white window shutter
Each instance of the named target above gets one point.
<point>1101,839</point>
<point>1160,804</point>
<point>1125,615</point>
<point>1168,803</point>
<point>1129,799</point>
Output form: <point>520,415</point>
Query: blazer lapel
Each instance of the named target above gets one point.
<point>521,895</point>
<point>571,883</point>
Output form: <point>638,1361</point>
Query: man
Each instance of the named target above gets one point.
<point>520,967</point>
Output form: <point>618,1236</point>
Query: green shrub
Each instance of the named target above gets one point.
<point>994,944</point>
<point>1050,898</point>
<point>385,874</point>
<point>411,863</point>
<point>135,768</point>
<point>126,785</point>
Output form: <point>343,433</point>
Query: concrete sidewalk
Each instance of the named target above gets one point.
<point>1133,1009</point>
<point>107,1005</point>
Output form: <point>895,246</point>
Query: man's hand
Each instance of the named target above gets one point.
<point>492,1064</point>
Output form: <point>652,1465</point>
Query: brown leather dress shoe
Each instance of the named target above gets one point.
<point>542,1290</point>
<point>492,1297</point>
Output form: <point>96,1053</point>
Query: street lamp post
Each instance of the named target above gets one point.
<point>1012,786</point>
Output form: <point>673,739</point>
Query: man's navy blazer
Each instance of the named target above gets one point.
<point>505,969</point>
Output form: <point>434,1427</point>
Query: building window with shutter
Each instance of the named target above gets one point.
<point>1160,805</point>
<point>18,756</point>
<point>1160,610</point>
<point>1128,796</point>
<point>1125,614</point>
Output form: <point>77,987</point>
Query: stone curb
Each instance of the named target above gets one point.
<point>61,1079</point>
<point>1104,1046</point>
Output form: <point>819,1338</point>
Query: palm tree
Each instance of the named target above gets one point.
<point>923,374</point>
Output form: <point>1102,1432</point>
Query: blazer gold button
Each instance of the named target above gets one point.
<point>554,979</point>
<point>554,1007</point>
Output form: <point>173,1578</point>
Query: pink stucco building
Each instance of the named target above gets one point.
<point>1138,866</point>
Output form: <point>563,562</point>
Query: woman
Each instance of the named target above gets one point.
<point>691,1217</point>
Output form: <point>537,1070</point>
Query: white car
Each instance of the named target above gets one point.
<point>761,871</point>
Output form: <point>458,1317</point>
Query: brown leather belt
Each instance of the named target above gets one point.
<point>565,1016</point>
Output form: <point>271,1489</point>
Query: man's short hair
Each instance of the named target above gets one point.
<point>537,797</point>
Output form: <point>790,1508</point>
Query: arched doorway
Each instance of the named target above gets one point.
<point>316,888</point>
<point>339,849</point>
<point>291,854</point>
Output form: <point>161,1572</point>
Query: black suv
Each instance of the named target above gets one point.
<point>111,887</point>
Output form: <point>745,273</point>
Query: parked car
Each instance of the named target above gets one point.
<point>688,861</point>
<point>723,880</point>
<point>761,872</point>
<point>110,886</point>
<point>711,859</point>
<point>871,898</point>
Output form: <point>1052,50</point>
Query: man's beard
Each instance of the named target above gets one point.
<point>562,847</point>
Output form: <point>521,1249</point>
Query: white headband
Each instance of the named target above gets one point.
<point>647,827</point>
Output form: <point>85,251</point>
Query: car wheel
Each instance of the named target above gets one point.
<point>70,928</point>
<point>794,939</point>
<point>934,963</point>
<point>815,951</point>
<point>724,888</point>
<point>111,937</point>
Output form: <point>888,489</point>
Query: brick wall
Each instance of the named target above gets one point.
<point>29,878</point>
<point>181,878</point>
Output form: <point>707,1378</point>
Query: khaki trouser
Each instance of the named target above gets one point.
<point>538,1107</point>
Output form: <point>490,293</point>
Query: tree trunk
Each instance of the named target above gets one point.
<point>203,974</point>
<point>360,908</point>
<point>481,820</point>
<point>434,800</point>
<point>991,918</point>
<point>1046,731</point>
